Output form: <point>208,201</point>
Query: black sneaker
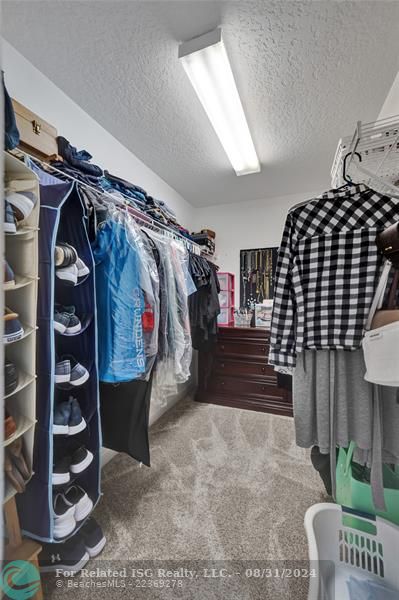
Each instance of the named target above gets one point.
<point>81,459</point>
<point>61,472</point>
<point>70,557</point>
<point>10,378</point>
<point>93,537</point>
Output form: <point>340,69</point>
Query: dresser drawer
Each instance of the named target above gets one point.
<point>242,387</point>
<point>238,368</point>
<point>239,348</point>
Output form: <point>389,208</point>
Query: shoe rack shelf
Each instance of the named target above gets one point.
<point>62,219</point>
<point>21,252</point>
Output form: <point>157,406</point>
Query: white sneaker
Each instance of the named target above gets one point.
<point>83,270</point>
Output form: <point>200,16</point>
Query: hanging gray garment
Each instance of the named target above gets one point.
<point>353,405</point>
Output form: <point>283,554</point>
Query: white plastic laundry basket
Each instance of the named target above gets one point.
<point>337,551</point>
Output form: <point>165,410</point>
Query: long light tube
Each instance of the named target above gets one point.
<point>207,65</point>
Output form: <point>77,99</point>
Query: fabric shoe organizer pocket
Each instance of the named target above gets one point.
<point>357,494</point>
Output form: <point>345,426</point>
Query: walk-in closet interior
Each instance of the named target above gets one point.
<point>200,392</point>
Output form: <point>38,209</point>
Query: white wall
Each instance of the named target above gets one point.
<point>257,224</point>
<point>391,104</point>
<point>29,86</point>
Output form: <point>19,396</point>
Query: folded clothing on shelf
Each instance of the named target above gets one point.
<point>203,239</point>
<point>78,159</point>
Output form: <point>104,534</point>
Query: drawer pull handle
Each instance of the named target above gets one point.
<point>222,347</point>
<point>263,349</point>
<point>222,383</point>
<point>263,388</point>
<point>222,365</point>
<point>263,369</point>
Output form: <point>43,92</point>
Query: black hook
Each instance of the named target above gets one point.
<point>344,175</point>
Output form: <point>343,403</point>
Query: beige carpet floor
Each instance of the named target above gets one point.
<point>228,489</point>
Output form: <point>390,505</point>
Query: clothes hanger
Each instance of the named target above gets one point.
<point>345,176</point>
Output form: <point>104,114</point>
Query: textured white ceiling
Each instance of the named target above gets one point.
<point>306,72</point>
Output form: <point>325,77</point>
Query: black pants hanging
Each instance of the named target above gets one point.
<point>125,409</point>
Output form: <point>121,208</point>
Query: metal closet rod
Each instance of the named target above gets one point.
<point>135,212</point>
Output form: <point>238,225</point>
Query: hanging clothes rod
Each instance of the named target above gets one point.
<point>135,212</point>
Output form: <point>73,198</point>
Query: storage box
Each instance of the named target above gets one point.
<point>226,281</point>
<point>226,316</point>
<point>226,299</point>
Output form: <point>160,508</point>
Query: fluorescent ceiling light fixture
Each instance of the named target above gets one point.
<point>207,65</point>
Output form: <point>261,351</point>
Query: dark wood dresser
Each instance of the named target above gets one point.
<point>236,373</point>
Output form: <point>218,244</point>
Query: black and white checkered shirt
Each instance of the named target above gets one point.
<point>327,270</point>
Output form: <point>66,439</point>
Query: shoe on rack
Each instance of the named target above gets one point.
<point>78,497</point>
<point>61,321</point>
<point>10,426</point>
<point>81,459</point>
<point>77,422</point>
<point>64,516</point>
<point>63,371</point>
<point>9,277</point>
<point>70,557</point>
<point>13,329</point>
<point>16,453</point>
<point>10,225</point>
<point>10,378</point>
<point>62,414</point>
<point>61,473</point>
<point>79,374</point>
<point>68,275</point>
<point>22,202</point>
<point>65,255</point>
<point>83,269</point>
<point>93,537</point>
<point>13,474</point>
<point>66,322</point>
<point>21,194</point>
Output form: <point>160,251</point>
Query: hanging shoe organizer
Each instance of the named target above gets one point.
<point>20,296</point>
<point>62,220</point>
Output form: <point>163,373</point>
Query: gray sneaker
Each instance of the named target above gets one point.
<point>61,321</point>
<point>66,323</point>
<point>79,375</point>
<point>63,371</point>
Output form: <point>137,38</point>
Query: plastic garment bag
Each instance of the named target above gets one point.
<point>175,351</point>
<point>120,299</point>
<point>149,281</point>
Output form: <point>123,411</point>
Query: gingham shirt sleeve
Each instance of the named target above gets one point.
<point>282,333</point>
